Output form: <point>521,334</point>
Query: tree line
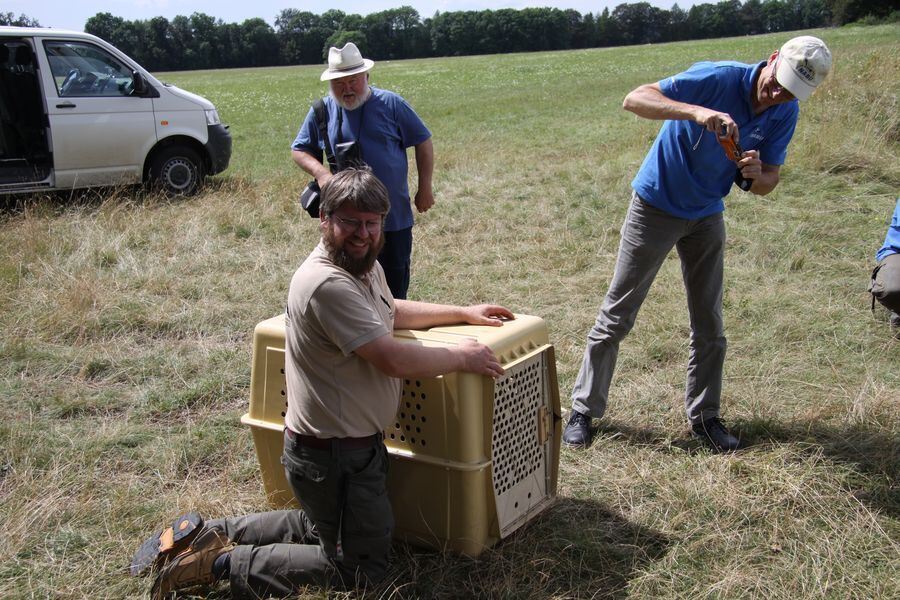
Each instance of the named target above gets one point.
<point>201,41</point>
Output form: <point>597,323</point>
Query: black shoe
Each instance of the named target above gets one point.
<point>578,430</point>
<point>713,432</point>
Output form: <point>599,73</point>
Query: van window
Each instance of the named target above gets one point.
<point>80,69</point>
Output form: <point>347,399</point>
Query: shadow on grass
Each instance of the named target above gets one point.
<point>647,436</point>
<point>873,453</point>
<point>576,549</point>
<point>57,202</point>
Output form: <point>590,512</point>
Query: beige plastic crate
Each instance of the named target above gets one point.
<point>472,459</point>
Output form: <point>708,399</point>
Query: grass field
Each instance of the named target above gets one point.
<point>127,321</point>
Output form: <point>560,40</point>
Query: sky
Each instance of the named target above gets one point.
<point>72,14</point>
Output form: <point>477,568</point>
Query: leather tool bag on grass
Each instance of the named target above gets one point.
<point>885,284</point>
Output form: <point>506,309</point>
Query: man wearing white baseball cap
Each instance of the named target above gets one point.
<point>678,200</point>
<point>802,64</point>
<point>365,124</point>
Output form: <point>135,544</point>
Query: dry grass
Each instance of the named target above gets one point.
<point>124,360</point>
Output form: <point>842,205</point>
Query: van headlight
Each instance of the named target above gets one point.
<point>212,117</point>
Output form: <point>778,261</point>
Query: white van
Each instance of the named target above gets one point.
<point>76,112</point>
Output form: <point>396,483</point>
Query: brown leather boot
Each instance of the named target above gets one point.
<point>160,547</point>
<point>193,566</point>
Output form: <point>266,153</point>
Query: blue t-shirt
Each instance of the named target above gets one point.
<point>389,127</point>
<point>686,172</point>
<point>892,239</point>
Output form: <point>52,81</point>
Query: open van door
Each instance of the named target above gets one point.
<point>25,160</point>
<point>102,123</point>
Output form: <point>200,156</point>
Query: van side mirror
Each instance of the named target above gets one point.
<point>140,85</point>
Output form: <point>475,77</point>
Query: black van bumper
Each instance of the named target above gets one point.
<point>218,147</point>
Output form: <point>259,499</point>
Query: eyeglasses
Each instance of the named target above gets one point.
<point>372,227</point>
<point>779,89</point>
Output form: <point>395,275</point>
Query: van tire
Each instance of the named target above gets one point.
<point>176,171</point>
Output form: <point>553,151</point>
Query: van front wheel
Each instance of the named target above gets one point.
<point>177,171</point>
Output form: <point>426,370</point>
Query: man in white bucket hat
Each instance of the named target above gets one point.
<point>677,201</point>
<point>373,126</point>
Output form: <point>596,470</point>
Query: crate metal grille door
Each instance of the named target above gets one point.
<point>520,446</point>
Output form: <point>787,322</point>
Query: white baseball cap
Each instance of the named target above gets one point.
<point>802,64</point>
<point>346,61</point>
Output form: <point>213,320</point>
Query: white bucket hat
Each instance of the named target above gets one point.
<point>346,61</point>
<point>803,63</point>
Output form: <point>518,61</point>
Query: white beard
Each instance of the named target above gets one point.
<point>360,100</point>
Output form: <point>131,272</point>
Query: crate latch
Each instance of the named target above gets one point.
<point>543,425</point>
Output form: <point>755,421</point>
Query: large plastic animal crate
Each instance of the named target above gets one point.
<point>472,458</point>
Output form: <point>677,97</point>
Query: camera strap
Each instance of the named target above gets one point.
<point>321,114</point>
<point>340,129</point>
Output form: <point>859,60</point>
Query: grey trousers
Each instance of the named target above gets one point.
<point>648,235</point>
<point>341,538</point>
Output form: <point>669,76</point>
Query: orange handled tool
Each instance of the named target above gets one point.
<point>734,152</point>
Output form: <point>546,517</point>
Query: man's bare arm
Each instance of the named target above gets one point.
<point>649,102</point>
<point>311,165</point>
<point>410,314</point>
<point>400,359</point>
<point>425,167</point>
<point>765,180</point>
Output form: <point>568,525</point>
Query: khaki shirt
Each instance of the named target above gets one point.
<point>331,391</point>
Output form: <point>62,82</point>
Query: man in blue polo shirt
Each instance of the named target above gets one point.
<point>678,201</point>
<point>885,285</point>
<point>382,126</point>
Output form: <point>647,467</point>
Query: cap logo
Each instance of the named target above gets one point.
<point>805,71</point>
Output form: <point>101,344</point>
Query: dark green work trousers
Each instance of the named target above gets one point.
<point>341,538</point>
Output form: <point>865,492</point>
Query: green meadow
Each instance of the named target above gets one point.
<point>125,336</point>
